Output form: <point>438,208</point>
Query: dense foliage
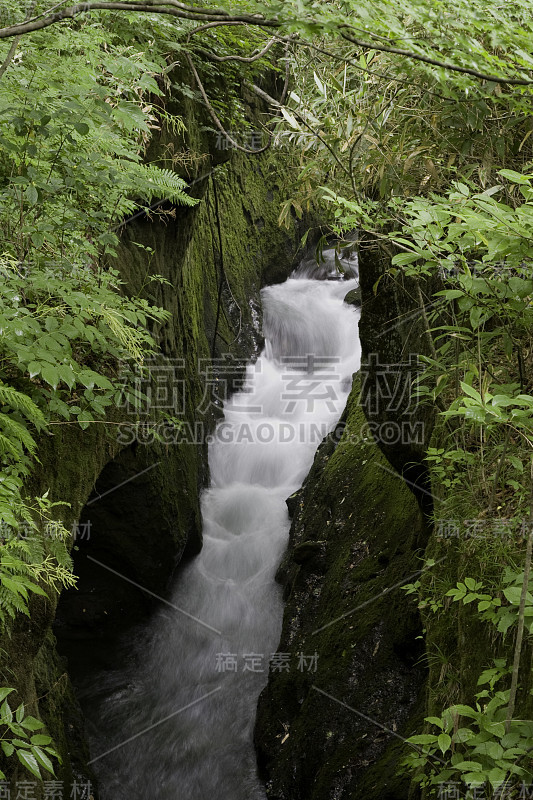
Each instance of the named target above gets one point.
<point>411,120</point>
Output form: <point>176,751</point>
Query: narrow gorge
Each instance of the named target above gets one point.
<point>266,411</point>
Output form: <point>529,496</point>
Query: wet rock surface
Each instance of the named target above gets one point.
<point>356,537</point>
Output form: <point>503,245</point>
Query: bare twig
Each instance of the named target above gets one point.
<point>215,118</point>
<point>521,616</point>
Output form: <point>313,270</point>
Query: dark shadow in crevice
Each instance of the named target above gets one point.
<point>129,542</point>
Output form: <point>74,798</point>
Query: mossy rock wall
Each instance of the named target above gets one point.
<point>458,645</point>
<point>215,258</point>
<point>356,536</point>
<point>393,334</point>
<point>360,530</point>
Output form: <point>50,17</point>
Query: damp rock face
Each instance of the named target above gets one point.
<point>393,330</point>
<point>334,732</point>
<point>215,258</point>
<point>328,726</point>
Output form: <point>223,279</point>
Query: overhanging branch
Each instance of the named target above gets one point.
<point>243,59</point>
<point>434,62</point>
<point>174,8</point>
<point>170,7</point>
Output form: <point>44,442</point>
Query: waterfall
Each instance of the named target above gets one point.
<point>179,724</point>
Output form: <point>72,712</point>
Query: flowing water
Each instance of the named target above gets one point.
<point>187,705</point>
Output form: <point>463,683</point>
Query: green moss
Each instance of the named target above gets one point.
<point>185,249</point>
<point>348,608</point>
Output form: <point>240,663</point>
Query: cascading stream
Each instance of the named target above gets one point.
<point>260,454</point>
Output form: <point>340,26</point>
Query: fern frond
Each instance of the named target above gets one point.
<point>128,336</point>
<point>8,447</point>
<point>19,401</point>
<point>18,432</point>
<point>160,182</point>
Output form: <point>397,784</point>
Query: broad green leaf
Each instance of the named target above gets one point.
<point>82,128</point>
<point>4,692</point>
<point>31,194</point>
<point>30,762</point>
<point>8,748</point>
<point>471,392</point>
<point>43,759</point>
<point>422,738</point>
<point>32,724</point>
<point>50,374</point>
<point>40,739</point>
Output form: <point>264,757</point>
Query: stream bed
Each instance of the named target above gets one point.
<point>178,721</point>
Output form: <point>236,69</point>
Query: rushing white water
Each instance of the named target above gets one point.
<point>260,454</point>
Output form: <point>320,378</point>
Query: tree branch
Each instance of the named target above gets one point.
<point>180,10</point>
<point>171,7</point>
<point>213,25</point>
<point>434,61</point>
<point>8,59</point>
<point>214,117</point>
<point>242,59</point>
<point>13,49</point>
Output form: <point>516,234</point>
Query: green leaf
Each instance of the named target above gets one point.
<point>290,119</point>
<point>462,735</point>
<point>492,749</point>
<point>32,724</point>
<point>50,375</point>
<point>514,593</point>
<point>516,462</point>
<point>514,177</point>
<point>422,738</point>
<point>474,778</point>
<point>477,313</point>
<point>474,766</point>
<point>31,194</point>
<point>444,741</point>
<point>497,777</point>
<point>66,373</point>
<point>4,692</point>
<point>435,721</point>
<point>8,748</point>
<point>471,392</point>
<point>84,419</point>
<point>30,762</point>
<point>401,259</point>
<point>43,759</point>
<point>88,378</point>
<point>465,711</point>
<point>36,589</point>
<point>82,128</point>
<point>40,739</point>
<point>5,711</point>
<point>34,368</point>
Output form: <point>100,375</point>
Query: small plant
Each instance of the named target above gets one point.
<point>471,746</point>
<point>491,748</point>
<point>18,737</point>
